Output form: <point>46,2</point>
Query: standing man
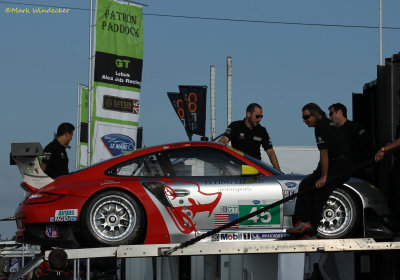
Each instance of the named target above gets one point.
<point>357,138</point>
<point>55,158</point>
<point>248,135</point>
<point>335,158</point>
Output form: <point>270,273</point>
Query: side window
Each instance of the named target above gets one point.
<point>203,161</point>
<point>143,166</point>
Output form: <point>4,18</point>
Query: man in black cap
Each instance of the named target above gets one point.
<point>335,158</point>
<point>248,135</point>
<point>55,158</point>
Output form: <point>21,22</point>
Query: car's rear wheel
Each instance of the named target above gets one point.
<point>113,218</point>
<point>340,215</point>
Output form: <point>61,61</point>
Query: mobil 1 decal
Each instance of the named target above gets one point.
<point>268,219</point>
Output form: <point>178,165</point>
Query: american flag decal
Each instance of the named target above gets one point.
<point>135,106</point>
<point>222,219</point>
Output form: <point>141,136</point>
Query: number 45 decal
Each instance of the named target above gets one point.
<point>269,218</point>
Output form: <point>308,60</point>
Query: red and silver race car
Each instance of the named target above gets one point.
<point>172,193</point>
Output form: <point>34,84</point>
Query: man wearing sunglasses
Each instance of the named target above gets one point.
<point>335,158</point>
<point>248,135</point>
<point>357,138</point>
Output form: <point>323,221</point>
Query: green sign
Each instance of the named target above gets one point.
<point>268,218</point>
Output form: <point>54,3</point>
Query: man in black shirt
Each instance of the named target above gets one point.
<point>335,158</point>
<point>248,135</point>
<point>357,138</point>
<point>55,158</point>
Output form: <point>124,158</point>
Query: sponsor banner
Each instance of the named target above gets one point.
<point>83,126</point>
<point>195,98</point>
<point>108,141</point>
<point>117,79</point>
<point>247,236</point>
<point>190,106</point>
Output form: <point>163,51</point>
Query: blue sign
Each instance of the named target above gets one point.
<point>118,144</point>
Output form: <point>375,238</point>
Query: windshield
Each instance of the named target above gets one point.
<point>264,165</point>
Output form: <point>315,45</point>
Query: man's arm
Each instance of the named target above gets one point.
<point>43,166</point>
<point>324,160</point>
<point>224,140</point>
<point>273,159</point>
<point>380,154</point>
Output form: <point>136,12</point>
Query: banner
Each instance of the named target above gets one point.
<point>190,106</point>
<point>195,98</point>
<point>117,79</point>
<point>180,108</point>
<point>82,128</point>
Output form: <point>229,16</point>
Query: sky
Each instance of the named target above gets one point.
<point>280,66</point>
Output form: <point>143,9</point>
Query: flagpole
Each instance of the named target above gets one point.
<point>90,85</point>
<point>380,33</point>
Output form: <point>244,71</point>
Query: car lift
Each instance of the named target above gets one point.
<point>219,248</point>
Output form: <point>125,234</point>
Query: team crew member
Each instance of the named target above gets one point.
<point>394,177</point>
<point>55,158</point>
<point>248,135</point>
<point>335,158</point>
<point>357,138</point>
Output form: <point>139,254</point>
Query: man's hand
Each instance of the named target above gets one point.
<point>224,140</point>
<point>321,182</point>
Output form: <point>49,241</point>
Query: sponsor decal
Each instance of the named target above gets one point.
<point>222,219</point>
<point>229,209</point>
<point>66,212</point>
<point>65,215</point>
<point>290,185</point>
<point>256,201</point>
<point>247,236</point>
<point>118,144</point>
<point>215,238</point>
<point>241,135</point>
<point>230,236</point>
<point>256,138</point>
<point>271,235</point>
<point>52,231</point>
<point>118,104</point>
<point>288,193</point>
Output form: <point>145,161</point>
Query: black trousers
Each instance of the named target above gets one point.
<point>394,188</point>
<point>309,207</point>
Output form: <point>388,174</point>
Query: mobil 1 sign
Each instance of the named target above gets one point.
<point>268,219</point>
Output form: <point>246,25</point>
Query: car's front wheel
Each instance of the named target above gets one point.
<point>340,215</point>
<point>112,218</point>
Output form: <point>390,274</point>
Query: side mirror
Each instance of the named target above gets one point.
<point>249,170</point>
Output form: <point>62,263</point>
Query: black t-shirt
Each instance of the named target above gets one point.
<point>330,137</point>
<point>358,140</point>
<point>56,159</point>
<point>248,140</point>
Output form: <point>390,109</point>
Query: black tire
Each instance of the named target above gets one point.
<point>341,215</point>
<point>112,218</point>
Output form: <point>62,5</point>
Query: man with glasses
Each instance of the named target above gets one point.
<point>248,135</point>
<point>335,158</point>
<point>357,138</point>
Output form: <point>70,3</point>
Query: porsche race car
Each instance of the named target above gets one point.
<point>172,193</point>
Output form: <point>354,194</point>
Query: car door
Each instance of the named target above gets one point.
<point>207,189</point>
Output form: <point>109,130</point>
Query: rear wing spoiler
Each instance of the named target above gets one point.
<point>25,156</point>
